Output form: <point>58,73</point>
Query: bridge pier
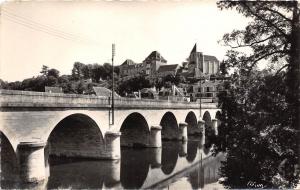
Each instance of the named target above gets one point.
<point>215,125</point>
<point>32,161</point>
<point>201,125</point>
<point>183,131</point>
<point>155,136</point>
<point>112,145</point>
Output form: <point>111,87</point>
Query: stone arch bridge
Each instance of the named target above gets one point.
<point>38,124</point>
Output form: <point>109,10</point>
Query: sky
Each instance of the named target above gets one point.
<point>59,33</point>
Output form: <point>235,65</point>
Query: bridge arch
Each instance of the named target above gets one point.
<point>76,135</point>
<point>135,131</point>
<point>209,130</point>
<point>9,163</point>
<point>169,124</point>
<point>218,115</point>
<point>191,120</point>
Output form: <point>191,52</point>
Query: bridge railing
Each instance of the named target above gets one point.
<point>13,98</point>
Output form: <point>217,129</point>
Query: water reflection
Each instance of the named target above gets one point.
<point>206,173</point>
<point>183,149</point>
<point>155,157</point>
<point>196,178</point>
<point>134,167</point>
<point>206,149</point>
<point>170,151</point>
<point>192,146</point>
<point>112,177</point>
<point>131,172</point>
<point>66,173</point>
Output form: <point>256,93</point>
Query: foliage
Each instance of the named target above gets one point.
<point>133,85</point>
<point>50,77</point>
<point>95,72</point>
<point>44,70</point>
<point>260,109</point>
<point>255,132</point>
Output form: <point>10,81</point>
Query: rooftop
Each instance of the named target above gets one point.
<point>128,62</point>
<point>209,58</point>
<point>165,68</point>
<point>102,91</point>
<point>155,55</point>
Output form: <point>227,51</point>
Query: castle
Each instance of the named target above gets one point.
<point>203,70</point>
<point>197,65</point>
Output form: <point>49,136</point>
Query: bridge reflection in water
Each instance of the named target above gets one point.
<point>138,168</point>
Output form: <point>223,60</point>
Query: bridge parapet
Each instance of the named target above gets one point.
<point>13,98</point>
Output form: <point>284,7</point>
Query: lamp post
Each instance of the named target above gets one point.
<point>113,87</point>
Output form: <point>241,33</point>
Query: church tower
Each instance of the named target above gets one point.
<point>196,60</point>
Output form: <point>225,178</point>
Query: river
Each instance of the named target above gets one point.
<point>184,165</point>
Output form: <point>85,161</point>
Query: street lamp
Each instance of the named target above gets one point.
<point>113,87</point>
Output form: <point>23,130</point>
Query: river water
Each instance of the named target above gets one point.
<point>177,164</point>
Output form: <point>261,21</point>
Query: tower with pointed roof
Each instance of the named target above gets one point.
<point>202,65</point>
<point>153,62</point>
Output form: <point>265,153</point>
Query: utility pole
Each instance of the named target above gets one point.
<point>113,87</point>
<point>199,71</point>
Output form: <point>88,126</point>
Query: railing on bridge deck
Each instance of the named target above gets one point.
<point>13,98</point>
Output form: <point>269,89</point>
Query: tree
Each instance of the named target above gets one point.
<point>80,87</point>
<point>77,71</point>
<point>273,35</point>
<point>133,85</point>
<point>44,71</point>
<point>87,71</point>
<point>107,71</point>
<point>98,72</point>
<point>256,134</point>
<point>53,73</point>
<point>3,84</point>
<point>260,110</point>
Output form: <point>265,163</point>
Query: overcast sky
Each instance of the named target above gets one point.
<point>57,34</point>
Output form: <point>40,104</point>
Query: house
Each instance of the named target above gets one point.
<point>102,91</point>
<point>149,67</point>
<point>53,89</point>
<point>204,89</point>
<point>153,62</point>
<point>131,69</point>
